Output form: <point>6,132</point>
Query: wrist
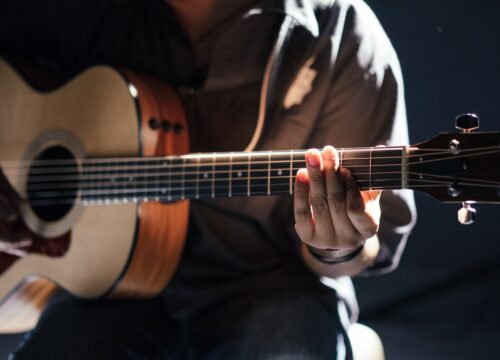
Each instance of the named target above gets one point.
<point>334,256</point>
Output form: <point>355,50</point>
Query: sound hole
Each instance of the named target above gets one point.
<point>53,183</point>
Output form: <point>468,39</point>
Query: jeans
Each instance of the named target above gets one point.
<point>283,324</point>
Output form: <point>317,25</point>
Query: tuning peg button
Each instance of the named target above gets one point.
<point>467,122</point>
<point>466,215</point>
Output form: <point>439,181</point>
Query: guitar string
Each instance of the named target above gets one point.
<point>185,166</point>
<point>154,179</point>
<point>105,170</point>
<point>168,191</point>
<point>107,175</point>
<point>136,198</point>
<point>121,162</point>
<point>203,180</point>
<point>194,156</point>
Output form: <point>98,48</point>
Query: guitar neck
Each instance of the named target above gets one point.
<point>197,176</point>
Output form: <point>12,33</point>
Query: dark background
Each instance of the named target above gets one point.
<point>441,303</point>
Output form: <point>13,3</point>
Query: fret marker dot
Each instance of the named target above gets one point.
<point>240,174</point>
<point>130,179</point>
<point>205,175</point>
<point>280,172</point>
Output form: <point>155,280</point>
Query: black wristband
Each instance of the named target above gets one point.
<point>332,259</point>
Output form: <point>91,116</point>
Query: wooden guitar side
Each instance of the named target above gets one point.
<point>163,227</point>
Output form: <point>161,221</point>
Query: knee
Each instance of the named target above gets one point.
<point>365,343</point>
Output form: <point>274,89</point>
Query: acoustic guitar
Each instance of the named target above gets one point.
<point>104,170</point>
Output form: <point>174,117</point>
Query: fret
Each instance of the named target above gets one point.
<point>183,178</point>
<point>103,188</point>
<point>371,153</point>
<point>136,181</point>
<point>239,175</point>
<point>168,171</point>
<point>269,173</point>
<point>144,180</point>
<point>122,182</point>
<point>197,178</point>
<point>299,162</point>
<point>176,178</point>
<point>222,176</point>
<point>341,157</point>
<point>148,180</point>
<point>87,183</point>
<point>190,178</point>
<point>127,174</point>
<point>281,172</point>
<point>258,174</point>
<point>157,167</point>
<point>90,184</point>
<point>212,193</point>
<point>144,171</point>
<point>97,187</point>
<point>290,175</point>
<point>230,192</point>
<point>100,187</point>
<point>404,167</point>
<point>164,180</point>
<point>206,169</point>
<point>249,172</point>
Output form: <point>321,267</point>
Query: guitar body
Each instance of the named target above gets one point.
<point>126,250</point>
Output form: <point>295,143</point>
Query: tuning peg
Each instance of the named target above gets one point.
<point>466,215</point>
<point>467,123</point>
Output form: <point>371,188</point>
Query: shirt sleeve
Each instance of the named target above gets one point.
<point>365,106</point>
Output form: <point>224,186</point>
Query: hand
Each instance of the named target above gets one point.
<point>14,235</point>
<point>330,210</point>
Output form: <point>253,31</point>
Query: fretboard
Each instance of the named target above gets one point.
<point>197,176</point>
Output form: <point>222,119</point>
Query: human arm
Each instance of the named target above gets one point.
<point>364,107</point>
<point>14,235</point>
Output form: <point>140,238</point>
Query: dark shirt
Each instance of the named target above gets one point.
<point>356,99</point>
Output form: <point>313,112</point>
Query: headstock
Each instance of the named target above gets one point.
<point>458,167</point>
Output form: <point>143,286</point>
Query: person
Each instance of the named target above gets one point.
<point>260,278</point>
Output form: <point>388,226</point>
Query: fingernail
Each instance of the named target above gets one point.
<point>302,177</point>
<point>312,159</point>
<point>327,153</point>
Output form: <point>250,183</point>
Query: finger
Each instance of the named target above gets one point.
<point>336,195</point>
<point>371,195</point>
<point>302,209</point>
<point>323,227</point>
<point>363,222</point>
